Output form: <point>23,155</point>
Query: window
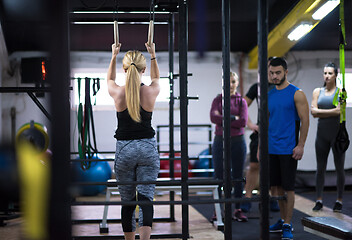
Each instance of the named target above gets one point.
<point>102,98</point>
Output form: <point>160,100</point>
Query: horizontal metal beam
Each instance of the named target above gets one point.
<point>24,89</point>
<point>111,237</point>
<point>80,221</point>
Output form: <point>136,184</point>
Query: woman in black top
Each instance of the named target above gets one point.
<point>136,157</point>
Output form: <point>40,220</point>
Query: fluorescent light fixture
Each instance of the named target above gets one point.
<point>325,9</point>
<point>118,12</point>
<point>300,31</point>
<point>124,23</point>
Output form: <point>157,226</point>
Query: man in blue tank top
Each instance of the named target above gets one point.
<point>287,134</point>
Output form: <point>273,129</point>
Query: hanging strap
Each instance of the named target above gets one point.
<point>335,101</point>
<point>151,23</point>
<point>93,132</point>
<point>343,93</point>
<point>85,130</point>
<point>86,122</point>
<point>116,25</point>
<point>96,88</point>
<point>80,120</point>
<point>152,11</point>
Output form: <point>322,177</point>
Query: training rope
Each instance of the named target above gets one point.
<point>152,11</point>
<point>116,25</point>
<point>151,23</point>
<point>342,141</point>
<point>343,93</point>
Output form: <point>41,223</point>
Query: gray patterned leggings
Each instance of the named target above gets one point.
<point>136,160</point>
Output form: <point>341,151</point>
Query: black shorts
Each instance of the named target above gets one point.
<point>253,147</point>
<point>283,170</point>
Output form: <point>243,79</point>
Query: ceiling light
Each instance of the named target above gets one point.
<point>300,31</point>
<point>325,9</point>
<point>108,23</point>
<point>119,12</point>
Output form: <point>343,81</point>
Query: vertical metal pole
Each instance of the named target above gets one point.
<point>210,152</point>
<point>158,137</point>
<point>183,48</point>
<point>263,116</point>
<point>171,108</point>
<point>226,115</point>
<point>60,210</point>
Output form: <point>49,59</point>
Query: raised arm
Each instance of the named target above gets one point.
<point>113,88</point>
<point>303,113</point>
<point>322,113</point>
<point>150,93</point>
<point>154,68</point>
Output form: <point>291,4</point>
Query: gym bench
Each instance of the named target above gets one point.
<point>191,188</point>
<point>328,227</point>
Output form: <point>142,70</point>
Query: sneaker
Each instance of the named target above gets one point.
<point>337,207</point>
<point>274,206</point>
<point>286,232</point>
<point>246,206</point>
<point>239,216</point>
<point>277,227</point>
<point>318,206</point>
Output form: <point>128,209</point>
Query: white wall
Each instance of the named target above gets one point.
<point>26,109</point>
<point>205,83</point>
<point>305,71</point>
<point>310,76</point>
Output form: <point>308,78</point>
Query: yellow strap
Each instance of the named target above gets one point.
<point>34,169</point>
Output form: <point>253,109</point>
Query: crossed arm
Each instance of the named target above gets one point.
<point>322,113</point>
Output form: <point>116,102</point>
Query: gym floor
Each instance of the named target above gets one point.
<point>303,207</point>
<point>199,225</point>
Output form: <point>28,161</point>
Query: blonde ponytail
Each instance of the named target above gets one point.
<point>133,63</point>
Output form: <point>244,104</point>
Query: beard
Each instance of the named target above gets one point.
<point>281,81</point>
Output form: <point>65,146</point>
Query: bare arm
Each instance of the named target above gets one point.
<point>250,124</point>
<point>150,93</point>
<point>113,88</point>
<point>303,113</point>
<point>322,113</point>
<point>154,68</point>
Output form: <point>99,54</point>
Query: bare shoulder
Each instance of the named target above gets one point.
<point>316,91</point>
<point>151,90</point>
<point>300,97</point>
<point>299,93</point>
<point>148,97</point>
<point>117,93</point>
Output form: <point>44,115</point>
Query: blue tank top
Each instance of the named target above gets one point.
<point>284,121</point>
<point>127,129</point>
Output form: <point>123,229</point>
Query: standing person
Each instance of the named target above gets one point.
<point>136,157</point>
<point>287,134</point>
<point>328,113</point>
<point>252,175</point>
<point>239,117</point>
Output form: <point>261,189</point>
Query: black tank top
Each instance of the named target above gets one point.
<point>127,129</point>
